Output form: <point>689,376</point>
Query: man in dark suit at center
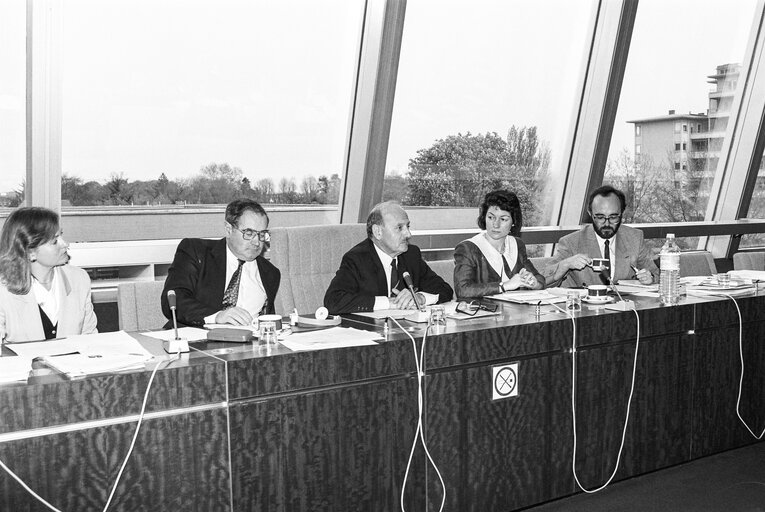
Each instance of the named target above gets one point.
<point>371,274</point>
<point>225,281</point>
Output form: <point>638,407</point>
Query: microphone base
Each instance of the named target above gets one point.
<point>175,346</point>
<point>622,305</point>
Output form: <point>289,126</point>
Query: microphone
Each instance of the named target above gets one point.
<point>177,345</point>
<point>625,304</point>
<point>409,284</point>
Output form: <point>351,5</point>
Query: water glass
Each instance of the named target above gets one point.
<point>267,333</point>
<point>573,301</point>
<point>437,315</point>
<point>723,280</point>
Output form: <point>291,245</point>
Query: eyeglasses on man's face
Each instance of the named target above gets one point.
<point>249,234</point>
<point>473,307</point>
<point>613,219</point>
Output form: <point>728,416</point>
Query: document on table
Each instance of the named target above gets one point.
<point>14,369</point>
<point>335,337</point>
<point>528,297</point>
<point>186,333</point>
<point>99,344</point>
<point>753,275</point>
<point>635,287</point>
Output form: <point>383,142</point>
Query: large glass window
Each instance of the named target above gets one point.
<point>485,97</point>
<point>189,101</point>
<point>677,103</point>
<point>12,102</point>
<point>756,210</point>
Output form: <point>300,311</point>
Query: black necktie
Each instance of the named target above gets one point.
<point>393,275</point>
<point>232,290</point>
<point>607,264</point>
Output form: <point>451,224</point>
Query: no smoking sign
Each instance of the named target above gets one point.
<point>505,382</point>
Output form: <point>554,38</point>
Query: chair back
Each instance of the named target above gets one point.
<point>445,270</point>
<point>308,258</point>
<point>697,263</point>
<point>750,260</point>
<point>139,305</point>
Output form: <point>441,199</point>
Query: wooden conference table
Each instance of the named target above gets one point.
<point>332,429</point>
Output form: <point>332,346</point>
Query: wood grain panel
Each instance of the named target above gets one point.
<point>336,450</point>
<point>179,463</point>
<point>505,454</point>
<point>63,402</point>
<point>717,372</point>
<point>251,377</point>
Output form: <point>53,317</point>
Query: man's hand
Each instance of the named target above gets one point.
<point>644,276</point>
<point>402,299</point>
<point>234,316</point>
<point>577,262</point>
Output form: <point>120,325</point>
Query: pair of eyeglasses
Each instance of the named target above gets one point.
<point>610,218</point>
<point>249,234</point>
<point>473,307</point>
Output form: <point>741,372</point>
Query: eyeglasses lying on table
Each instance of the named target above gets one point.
<point>473,307</point>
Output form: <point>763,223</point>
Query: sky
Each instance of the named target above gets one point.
<point>153,86</point>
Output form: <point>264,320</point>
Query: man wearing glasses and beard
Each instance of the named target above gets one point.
<point>622,247</point>
<point>225,281</point>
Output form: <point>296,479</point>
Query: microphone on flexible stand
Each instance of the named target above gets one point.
<point>409,284</point>
<point>623,304</point>
<point>176,345</point>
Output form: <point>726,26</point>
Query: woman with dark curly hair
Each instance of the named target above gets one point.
<point>495,260</point>
<point>41,297</point>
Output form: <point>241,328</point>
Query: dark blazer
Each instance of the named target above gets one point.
<point>198,276</point>
<point>361,278</point>
<point>475,277</point>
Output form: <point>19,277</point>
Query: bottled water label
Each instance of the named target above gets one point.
<point>670,261</point>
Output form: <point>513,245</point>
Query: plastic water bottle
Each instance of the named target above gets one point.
<point>669,279</point>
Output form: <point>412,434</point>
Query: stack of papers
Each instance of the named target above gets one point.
<point>79,365</point>
<point>710,287</point>
<point>13,369</point>
<point>635,287</point>
<point>750,275</point>
<point>529,297</point>
<point>87,354</point>
<point>335,337</point>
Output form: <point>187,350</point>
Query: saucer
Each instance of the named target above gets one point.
<point>604,299</point>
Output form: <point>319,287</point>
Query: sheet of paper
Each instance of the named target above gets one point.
<point>753,275</point>
<point>529,297</point>
<point>14,369</point>
<point>107,343</point>
<point>79,365</point>
<point>398,314</point>
<point>335,337</point>
<point>187,333</point>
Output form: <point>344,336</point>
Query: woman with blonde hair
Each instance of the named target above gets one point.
<point>41,297</point>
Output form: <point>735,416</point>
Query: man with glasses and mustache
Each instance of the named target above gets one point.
<point>225,281</point>
<point>623,247</point>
